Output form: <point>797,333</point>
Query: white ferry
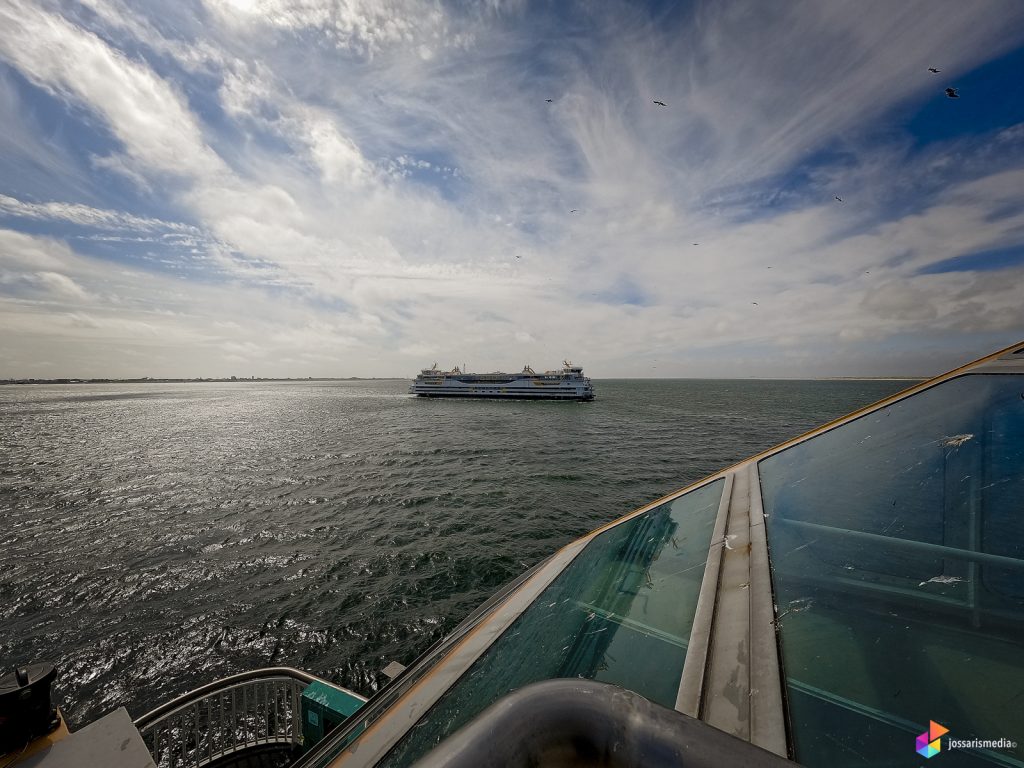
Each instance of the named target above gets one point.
<point>566,384</point>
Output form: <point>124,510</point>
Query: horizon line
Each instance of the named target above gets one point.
<point>11,380</point>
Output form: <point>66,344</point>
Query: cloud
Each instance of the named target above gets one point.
<point>87,216</point>
<point>22,251</point>
<point>369,186</point>
<point>365,27</point>
<point>62,285</point>
<point>148,115</point>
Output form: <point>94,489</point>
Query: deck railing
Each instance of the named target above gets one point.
<point>258,708</point>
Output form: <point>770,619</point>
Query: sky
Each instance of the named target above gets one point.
<point>207,188</point>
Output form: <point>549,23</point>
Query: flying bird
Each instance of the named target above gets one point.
<point>837,197</point>
<point>951,93</point>
<point>549,101</point>
<point>754,303</point>
<point>696,243</point>
<point>575,210</point>
<point>660,103</point>
<point>934,71</point>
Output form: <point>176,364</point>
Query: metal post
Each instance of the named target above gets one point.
<point>195,729</point>
<point>209,731</point>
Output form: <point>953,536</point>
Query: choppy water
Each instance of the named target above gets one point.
<point>156,537</point>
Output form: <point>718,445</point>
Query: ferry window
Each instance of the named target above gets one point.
<point>897,550</point>
<point>620,613</point>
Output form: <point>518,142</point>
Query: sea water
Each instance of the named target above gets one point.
<point>155,537</point>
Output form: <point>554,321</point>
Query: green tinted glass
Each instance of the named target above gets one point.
<point>897,548</point>
<point>621,613</point>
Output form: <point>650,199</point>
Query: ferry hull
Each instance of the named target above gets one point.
<point>566,384</point>
<point>508,395</point>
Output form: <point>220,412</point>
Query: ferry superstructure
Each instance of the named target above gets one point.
<point>567,384</point>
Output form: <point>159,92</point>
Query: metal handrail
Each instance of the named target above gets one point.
<point>258,708</point>
<point>198,693</point>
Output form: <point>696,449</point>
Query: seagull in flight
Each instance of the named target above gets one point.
<point>837,197</point>
<point>754,303</point>
<point>660,103</point>
<point>934,71</point>
<point>951,93</point>
<point>549,101</point>
<point>575,210</point>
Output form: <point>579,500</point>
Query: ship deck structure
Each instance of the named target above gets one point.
<point>569,383</point>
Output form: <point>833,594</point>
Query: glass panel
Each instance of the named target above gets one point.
<point>620,613</point>
<point>897,549</point>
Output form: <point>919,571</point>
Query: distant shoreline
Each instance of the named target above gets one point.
<point>840,378</point>
<point>147,380</point>
<point>230,380</point>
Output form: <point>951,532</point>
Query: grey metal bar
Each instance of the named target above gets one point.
<point>731,676</point>
<point>909,544</point>
<point>209,729</point>
<point>255,716</point>
<point>222,721</point>
<point>245,713</point>
<point>264,720</point>
<point>289,722</point>
<point>227,718</point>
<point>264,714</point>
<point>195,731</point>
<point>270,692</point>
<point>725,702</point>
<point>691,683</point>
<point>767,710</point>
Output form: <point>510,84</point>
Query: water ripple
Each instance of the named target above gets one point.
<point>156,537</point>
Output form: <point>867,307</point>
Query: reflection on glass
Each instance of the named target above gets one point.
<point>897,548</point>
<point>620,613</point>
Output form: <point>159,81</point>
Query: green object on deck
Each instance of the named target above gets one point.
<point>324,707</point>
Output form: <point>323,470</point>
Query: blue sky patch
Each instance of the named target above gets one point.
<point>990,97</point>
<point>982,261</point>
